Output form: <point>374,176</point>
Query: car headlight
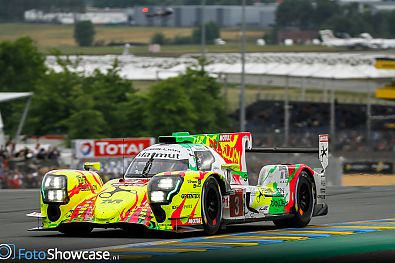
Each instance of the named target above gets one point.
<point>157,196</point>
<point>54,182</point>
<point>54,189</point>
<point>166,183</point>
<point>56,195</point>
<point>161,189</point>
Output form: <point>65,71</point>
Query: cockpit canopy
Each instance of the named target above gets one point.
<point>145,167</point>
<point>169,158</point>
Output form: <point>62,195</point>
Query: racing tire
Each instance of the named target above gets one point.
<point>211,206</point>
<point>304,204</point>
<point>76,230</point>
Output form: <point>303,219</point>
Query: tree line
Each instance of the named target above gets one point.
<point>342,18</point>
<point>103,104</point>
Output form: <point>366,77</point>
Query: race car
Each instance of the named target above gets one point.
<point>184,183</point>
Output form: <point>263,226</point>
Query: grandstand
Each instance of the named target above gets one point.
<point>265,120</point>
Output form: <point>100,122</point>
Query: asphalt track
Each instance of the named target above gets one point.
<point>332,236</point>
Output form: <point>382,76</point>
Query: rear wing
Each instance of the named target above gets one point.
<point>322,150</point>
<point>231,146</point>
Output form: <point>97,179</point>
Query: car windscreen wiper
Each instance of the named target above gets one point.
<point>147,166</point>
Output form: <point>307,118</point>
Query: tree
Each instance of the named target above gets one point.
<point>295,13</point>
<point>84,33</point>
<point>212,32</point>
<point>205,96</point>
<point>391,23</point>
<point>21,64</point>
<point>53,100</point>
<point>343,24</point>
<point>131,121</point>
<point>169,108</point>
<point>85,121</point>
<point>109,91</point>
<point>158,38</point>
<point>324,9</point>
<point>327,14</point>
<point>189,102</point>
<point>21,69</point>
<point>68,102</point>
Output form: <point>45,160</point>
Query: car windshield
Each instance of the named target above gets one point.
<point>148,167</point>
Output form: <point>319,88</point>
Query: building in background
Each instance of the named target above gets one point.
<point>96,16</point>
<point>224,16</point>
<point>259,16</point>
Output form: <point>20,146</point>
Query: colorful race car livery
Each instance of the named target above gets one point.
<point>186,182</point>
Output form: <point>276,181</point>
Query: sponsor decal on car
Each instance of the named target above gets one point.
<point>184,207</point>
<point>195,221</point>
<point>225,201</point>
<point>190,195</point>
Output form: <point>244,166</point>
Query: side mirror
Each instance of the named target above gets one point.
<point>231,166</point>
<point>92,166</point>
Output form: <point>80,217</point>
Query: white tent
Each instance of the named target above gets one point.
<point>8,96</point>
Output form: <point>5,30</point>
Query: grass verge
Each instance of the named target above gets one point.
<point>49,36</point>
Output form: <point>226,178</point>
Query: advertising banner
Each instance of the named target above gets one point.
<point>368,167</point>
<point>385,63</point>
<point>127,147</point>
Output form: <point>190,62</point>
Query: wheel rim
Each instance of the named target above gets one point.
<point>304,198</point>
<point>212,204</point>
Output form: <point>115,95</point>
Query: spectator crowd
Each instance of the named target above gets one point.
<point>265,119</point>
<point>25,167</point>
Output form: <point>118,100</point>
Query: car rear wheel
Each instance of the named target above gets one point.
<point>211,206</point>
<point>304,204</point>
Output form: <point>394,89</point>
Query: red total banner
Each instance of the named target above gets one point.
<point>111,147</point>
